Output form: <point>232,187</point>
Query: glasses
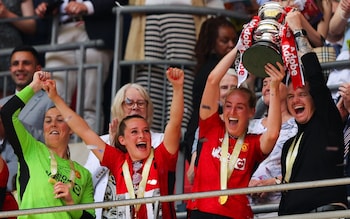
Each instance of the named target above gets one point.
<point>129,103</point>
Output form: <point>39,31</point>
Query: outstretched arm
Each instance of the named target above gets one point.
<point>172,133</point>
<point>339,20</point>
<point>211,94</point>
<point>74,121</point>
<point>274,119</point>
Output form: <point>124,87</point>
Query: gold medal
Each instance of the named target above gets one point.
<point>52,180</point>
<point>223,199</point>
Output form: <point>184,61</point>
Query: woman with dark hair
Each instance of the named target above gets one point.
<point>217,37</point>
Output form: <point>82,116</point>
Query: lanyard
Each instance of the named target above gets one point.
<point>142,185</point>
<point>227,166</point>
<point>53,166</point>
<point>291,155</point>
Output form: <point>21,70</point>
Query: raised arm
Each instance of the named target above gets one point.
<point>172,133</point>
<point>339,20</point>
<point>274,118</point>
<point>211,94</point>
<point>75,122</point>
<point>316,37</point>
<point>323,25</point>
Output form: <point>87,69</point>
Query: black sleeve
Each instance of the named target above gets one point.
<point>319,91</point>
<point>7,111</point>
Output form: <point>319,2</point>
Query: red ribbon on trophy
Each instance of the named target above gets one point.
<point>244,42</point>
<point>290,57</point>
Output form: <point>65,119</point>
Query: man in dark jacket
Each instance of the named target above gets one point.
<point>316,152</point>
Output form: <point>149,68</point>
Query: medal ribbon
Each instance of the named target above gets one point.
<point>142,185</point>
<point>53,167</point>
<point>291,155</point>
<point>227,166</point>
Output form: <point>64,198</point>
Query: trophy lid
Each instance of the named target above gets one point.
<point>271,10</point>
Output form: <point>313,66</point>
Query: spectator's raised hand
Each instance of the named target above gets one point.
<point>345,6</point>
<point>113,129</point>
<point>175,76</point>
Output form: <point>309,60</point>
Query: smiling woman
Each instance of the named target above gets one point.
<point>228,136</point>
<point>46,166</point>
<point>134,151</point>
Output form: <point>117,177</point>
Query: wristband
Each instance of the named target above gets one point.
<point>299,33</point>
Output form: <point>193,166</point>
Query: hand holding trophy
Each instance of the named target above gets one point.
<point>268,39</point>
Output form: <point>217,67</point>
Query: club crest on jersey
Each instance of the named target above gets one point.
<point>240,164</point>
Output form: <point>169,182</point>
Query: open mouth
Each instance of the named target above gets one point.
<point>141,145</point>
<point>54,132</point>
<point>299,109</point>
<point>233,121</point>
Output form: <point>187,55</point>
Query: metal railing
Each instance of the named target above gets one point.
<point>120,11</point>
<point>80,67</point>
<point>118,62</point>
<point>178,197</point>
<point>79,105</point>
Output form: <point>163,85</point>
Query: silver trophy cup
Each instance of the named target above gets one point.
<point>266,40</point>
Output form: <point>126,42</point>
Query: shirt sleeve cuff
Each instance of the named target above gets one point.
<point>26,94</point>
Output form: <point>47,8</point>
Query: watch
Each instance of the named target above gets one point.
<point>277,181</point>
<point>299,33</point>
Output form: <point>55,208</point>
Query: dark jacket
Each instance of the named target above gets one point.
<point>320,154</point>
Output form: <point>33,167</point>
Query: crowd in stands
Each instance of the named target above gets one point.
<point>291,133</point>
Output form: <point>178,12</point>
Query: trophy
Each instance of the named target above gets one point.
<point>266,41</point>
